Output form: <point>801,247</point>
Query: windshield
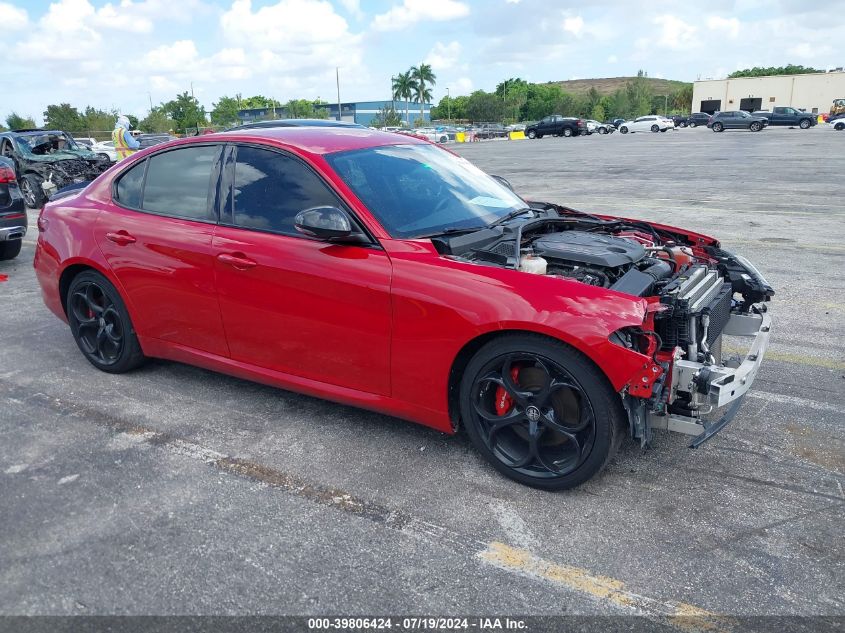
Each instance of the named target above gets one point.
<point>421,190</point>
<point>41,143</point>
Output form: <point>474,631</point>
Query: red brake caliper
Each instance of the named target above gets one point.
<point>504,403</point>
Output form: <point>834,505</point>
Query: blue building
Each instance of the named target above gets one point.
<point>362,112</point>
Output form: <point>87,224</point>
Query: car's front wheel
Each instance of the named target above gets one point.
<point>540,412</point>
<point>804,124</point>
<point>602,130</point>
<point>623,129</point>
<point>33,194</point>
<point>101,325</point>
<point>692,124</point>
<point>655,128</point>
<point>755,126</point>
<point>10,249</point>
<point>839,126</point>
<point>532,134</point>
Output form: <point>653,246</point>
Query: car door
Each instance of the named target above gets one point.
<point>291,303</point>
<point>156,238</point>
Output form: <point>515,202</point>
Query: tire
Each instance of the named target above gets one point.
<point>804,124</point>
<point>567,132</point>
<point>839,126</point>
<point>100,324</point>
<point>10,249</point>
<point>532,134</point>
<point>755,126</point>
<point>104,157</point>
<point>718,127</point>
<point>602,130</point>
<point>33,194</point>
<point>655,128</point>
<point>623,129</point>
<point>574,429</point>
<point>692,124</point>
<point>682,124</point>
<point>664,129</point>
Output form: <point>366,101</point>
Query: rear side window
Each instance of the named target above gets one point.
<point>129,186</point>
<point>271,188</point>
<point>178,183</point>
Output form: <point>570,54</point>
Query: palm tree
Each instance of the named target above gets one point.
<point>424,77</point>
<point>404,87</point>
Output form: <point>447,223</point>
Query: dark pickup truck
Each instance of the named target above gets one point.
<point>556,125</point>
<point>783,116</point>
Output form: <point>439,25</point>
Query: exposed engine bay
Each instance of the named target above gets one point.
<point>693,288</point>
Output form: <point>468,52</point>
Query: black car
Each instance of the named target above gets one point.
<point>12,212</point>
<point>556,125</point>
<point>48,160</point>
<point>698,118</point>
<point>680,121</point>
<point>736,120</point>
<point>148,140</point>
<point>295,123</point>
<point>490,130</point>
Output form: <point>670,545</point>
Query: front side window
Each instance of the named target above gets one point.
<point>420,190</point>
<point>128,192</point>
<point>271,188</point>
<point>178,182</point>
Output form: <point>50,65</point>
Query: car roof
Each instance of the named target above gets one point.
<point>35,130</point>
<point>296,123</point>
<point>314,140</point>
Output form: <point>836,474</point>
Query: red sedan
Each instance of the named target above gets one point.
<point>384,272</point>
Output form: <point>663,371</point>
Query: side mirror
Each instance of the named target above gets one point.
<point>502,181</point>
<point>327,223</point>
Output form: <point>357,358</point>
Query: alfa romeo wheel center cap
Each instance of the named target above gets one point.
<point>533,413</point>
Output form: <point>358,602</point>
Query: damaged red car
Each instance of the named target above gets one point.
<point>384,272</point>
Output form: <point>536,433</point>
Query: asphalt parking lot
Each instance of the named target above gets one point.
<point>173,490</point>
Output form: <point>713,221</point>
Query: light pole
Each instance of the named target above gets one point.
<point>449,104</point>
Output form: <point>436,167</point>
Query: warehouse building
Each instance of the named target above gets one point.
<point>362,112</point>
<point>813,92</point>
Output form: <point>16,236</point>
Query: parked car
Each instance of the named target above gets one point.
<point>47,160</point>
<point>295,123</point>
<point>783,116</point>
<point>490,130</point>
<point>12,211</point>
<point>85,141</point>
<point>677,120</point>
<point>736,120</point>
<point>598,127</point>
<point>105,149</point>
<point>149,139</point>
<point>617,122</point>
<point>698,118</point>
<point>648,123</point>
<point>837,124</point>
<point>556,125</point>
<point>432,135</point>
<point>385,272</point>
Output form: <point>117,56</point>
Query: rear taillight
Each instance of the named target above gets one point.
<point>7,174</point>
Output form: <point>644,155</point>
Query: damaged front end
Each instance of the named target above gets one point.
<point>60,173</point>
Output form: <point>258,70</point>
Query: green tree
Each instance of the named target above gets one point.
<point>94,120</point>
<point>640,94</point>
<point>157,121</point>
<point>63,117</point>
<point>299,109</point>
<point>18,122</point>
<point>404,88</point>
<point>225,111</point>
<point>484,106</point>
<point>259,101</point>
<point>789,69</point>
<point>133,121</point>
<point>598,112</point>
<point>681,99</point>
<point>424,77</point>
<point>386,116</point>
<point>186,111</point>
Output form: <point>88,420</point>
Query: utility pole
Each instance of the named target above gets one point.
<point>192,90</point>
<point>337,77</point>
<point>392,95</point>
<point>151,101</point>
<point>449,104</point>
<point>665,105</point>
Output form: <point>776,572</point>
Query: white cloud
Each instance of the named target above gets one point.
<point>574,25</point>
<point>413,11</point>
<point>353,7</point>
<point>461,86</point>
<point>729,26</point>
<point>443,56</point>
<point>675,33</point>
<point>612,59</point>
<point>171,57</point>
<point>12,17</point>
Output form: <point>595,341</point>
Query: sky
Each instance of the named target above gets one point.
<point>125,54</point>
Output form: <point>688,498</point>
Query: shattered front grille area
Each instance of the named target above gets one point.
<point>69,171</point>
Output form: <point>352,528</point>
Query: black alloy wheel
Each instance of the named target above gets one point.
<point>539,412</point>
<point>100,324</point>
<point>623,129</point>
<point>655,128</point>
<point>33,194</point>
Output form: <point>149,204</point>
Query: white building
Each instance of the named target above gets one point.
<point>813,92</point>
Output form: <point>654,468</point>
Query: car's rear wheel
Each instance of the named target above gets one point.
<point>602,130</point>
<point>692,124</point>
<point>682,124</point>
<point>101,325</point>
<point>718,127</point>
<point>10,249</point>
<point>532,134</point>
<point>655,128</point>
<point>33,194</point>
<point>567,132</point>
<point>755,126</point>
<point>623,129</point>
<point>804,124</point>
<point>540,412</point>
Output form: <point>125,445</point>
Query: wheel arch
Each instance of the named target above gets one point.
<point>77,266</point>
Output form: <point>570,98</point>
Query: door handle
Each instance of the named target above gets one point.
<point>237,260</point>
<point>121,238</point>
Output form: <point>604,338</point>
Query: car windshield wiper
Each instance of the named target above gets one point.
<point>510,216</point>
<point>450,230</point>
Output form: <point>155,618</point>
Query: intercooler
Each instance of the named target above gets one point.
<point>699,308</point>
